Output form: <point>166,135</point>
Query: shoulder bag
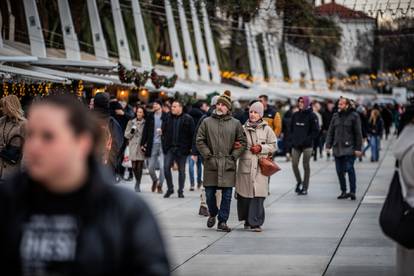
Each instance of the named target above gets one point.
<point>397,216</point>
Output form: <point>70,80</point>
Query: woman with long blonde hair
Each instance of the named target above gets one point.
<point>375,129</point>
<point>12,129</point>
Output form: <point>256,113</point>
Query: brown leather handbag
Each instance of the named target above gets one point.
<point>268,167</point>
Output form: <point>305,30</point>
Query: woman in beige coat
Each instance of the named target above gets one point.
<point>133,133</point>
<point>252,187</point>
<point>12,129</point>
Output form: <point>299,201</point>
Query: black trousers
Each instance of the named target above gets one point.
<point>137,167</point>
<point>251,210</point>
<point>181,160</point>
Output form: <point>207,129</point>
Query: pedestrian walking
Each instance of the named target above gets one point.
<point>287,141</point>
<point>112,132</point>
<point>133,133</point>
<point>375,132</point>
<point>362,112</point>
<point>404,153</point>
<point>252,187</point>
<point>316,108</point>
<point>304,129</point>
<point>12,135</point>
<point>151,145</point>
<point>63,215</point>
<point>345,138</point>
<point>386,114</point>
<point>197,112</point>
<point>220,141</point>
<point>271,115</point>
<point>177,136</point>
<point>326,122</point>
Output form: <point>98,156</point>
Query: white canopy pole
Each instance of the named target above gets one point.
<point>201,52</point>
<point>175,45</point>
<point>212,56</point>
<point>101,52</point>
<point>188,47</point>
<point>121,37</point>
<point>269,65</point>
<point>11,21</point>
<point>70,40</point>
<point>142,40</point>
<point>37,42</point>
<point>250,52</point>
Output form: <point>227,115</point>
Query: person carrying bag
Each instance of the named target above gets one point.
<point>397,215</point>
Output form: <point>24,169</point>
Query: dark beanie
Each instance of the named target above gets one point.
<point>101,102</point>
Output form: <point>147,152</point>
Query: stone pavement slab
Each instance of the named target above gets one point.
<point>303,235</point>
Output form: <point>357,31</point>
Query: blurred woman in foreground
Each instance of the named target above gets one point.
<point>63,215</point>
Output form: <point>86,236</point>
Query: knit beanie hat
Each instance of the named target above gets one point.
<point>258,108</point>
<point>225,99</point>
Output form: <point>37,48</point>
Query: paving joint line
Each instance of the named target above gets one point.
<point>238,225</point>
<point>357,208</point>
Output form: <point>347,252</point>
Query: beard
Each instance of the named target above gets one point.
<point>219,112</point>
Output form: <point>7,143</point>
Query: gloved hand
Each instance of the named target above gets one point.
<point>256,149</point>
<point>237,145</point>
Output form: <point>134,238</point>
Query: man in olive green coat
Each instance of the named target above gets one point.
<point>220,141</point>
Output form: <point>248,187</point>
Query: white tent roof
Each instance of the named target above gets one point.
<point>17,58</point>
<point>76,63</point>
<point>69,75</point>
<point>31,74</point>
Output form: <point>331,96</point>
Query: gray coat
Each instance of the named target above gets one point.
<point>135,152</point>
<point>344,134</point>
<point>215,142</point>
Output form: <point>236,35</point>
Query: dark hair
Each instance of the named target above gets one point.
<point>138,106</point>
<point>179,102</point>
<point>264,97</point>
<point>80,119</point>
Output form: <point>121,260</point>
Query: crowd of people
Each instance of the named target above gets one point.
<point>64,155</point>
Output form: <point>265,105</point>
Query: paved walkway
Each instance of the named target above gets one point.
<point>312,235</point>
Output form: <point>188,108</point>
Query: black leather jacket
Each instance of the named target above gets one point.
<point>116,232</point>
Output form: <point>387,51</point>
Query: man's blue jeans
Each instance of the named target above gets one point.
<point>191,164</point>
<point>345,164</point>
<point>224,212</point>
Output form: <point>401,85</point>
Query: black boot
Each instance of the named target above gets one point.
<point>137,188</point>
<point>168,194</point>
<point>352,196</point>
<point>298,188</point>
<point>343,195</point>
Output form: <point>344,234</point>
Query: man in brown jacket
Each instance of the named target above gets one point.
<point>220,141</point>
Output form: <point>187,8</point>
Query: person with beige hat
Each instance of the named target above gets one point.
<point>252,187</point>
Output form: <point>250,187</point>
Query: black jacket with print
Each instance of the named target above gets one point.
<point>304,128</point>
<point>115,232</point>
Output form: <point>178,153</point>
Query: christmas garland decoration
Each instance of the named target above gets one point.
<point>140,79</point>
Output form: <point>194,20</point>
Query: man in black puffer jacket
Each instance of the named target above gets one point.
<point>304,128</point>
<point>177,141</point>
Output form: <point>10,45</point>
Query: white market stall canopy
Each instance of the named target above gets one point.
<point>32,74</point>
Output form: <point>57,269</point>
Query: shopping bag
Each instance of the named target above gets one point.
<point>126,161</point>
